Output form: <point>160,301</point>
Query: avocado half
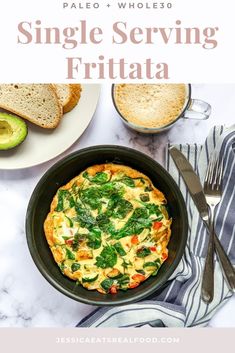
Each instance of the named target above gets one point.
<point>13,131</point>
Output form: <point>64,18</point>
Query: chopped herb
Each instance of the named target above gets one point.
<point>69,221</point>
<point>65,237</point>
<point>62,194</point>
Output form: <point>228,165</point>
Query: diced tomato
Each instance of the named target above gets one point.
<point>69,241</point>
<point>113,290</point>
<point>133,285</point>
<point>164,256</point>
<point>134,240</point>
<point>153,248</point>
<point>157,225</point>
<point>138,277</point>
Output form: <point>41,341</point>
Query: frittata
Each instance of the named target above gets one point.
<point>108,228</point>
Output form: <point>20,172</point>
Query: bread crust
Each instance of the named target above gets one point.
<point>52,125</point>
<point>75,94</point>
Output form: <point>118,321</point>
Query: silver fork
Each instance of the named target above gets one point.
<point>213,194</point>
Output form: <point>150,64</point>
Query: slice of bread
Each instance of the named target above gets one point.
<point>37,103</point>
<point>68,94</point>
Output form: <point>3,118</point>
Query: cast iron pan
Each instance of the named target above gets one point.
<point>65,170</point>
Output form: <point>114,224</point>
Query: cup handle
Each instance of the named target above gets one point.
<point>197,109</point>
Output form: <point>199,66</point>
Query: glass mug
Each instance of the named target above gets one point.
<point>191,109</point>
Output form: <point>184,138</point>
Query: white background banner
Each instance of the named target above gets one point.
<point>27,55</point>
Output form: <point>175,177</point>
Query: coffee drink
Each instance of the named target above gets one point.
<point>150,105</point>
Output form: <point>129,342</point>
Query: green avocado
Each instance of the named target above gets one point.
<point>13,131</point>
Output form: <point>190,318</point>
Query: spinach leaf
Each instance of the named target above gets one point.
<point>78,238</point>
<point>107,257</point>
<point>91,197</point>
<point>106,284</point>
<point>94,239</point>
<point>153,209</point>
<point>99,178</point>
<point>69,254</point>
<point>113,201</point>
<point>62,195</point>
<point>118,207</point>
<point>119,248</point>
<point>136,223</point>
<point>127,181</point>
<point>103,222</point>
<point>84,217</point>
<point>75,266</point>
<point>75,244</point>
<point>123,208</point>
<point>124,281</point>
<point>143,252</point>
<point>71,202</point>
<point>109,189</point>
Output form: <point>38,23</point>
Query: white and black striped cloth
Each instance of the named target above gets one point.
<point>179,304</point>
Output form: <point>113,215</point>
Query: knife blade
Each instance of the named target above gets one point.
<point>194,186</point>
<point>192,181</point>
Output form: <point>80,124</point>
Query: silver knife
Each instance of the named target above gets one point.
<point>194,186</point>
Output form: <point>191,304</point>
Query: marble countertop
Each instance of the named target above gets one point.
<point>26,298</point>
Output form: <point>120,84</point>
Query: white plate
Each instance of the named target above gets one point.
<point>41,145</point>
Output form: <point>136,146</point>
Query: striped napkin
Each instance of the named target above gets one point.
<point>179,304</point>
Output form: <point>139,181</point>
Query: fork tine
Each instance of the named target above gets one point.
<point>209,171</point>
<point>215,174</point>
<point>213,169</point>
<point>220,174</point>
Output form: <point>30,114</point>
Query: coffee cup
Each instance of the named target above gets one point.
<point>153,108</point>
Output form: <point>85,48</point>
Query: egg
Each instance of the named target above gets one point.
<point>108,228</point>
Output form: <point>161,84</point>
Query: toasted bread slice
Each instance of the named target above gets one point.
<point>68,94</point>
<point>37,103</point>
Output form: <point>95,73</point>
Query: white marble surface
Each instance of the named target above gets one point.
<point>26,298</point>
